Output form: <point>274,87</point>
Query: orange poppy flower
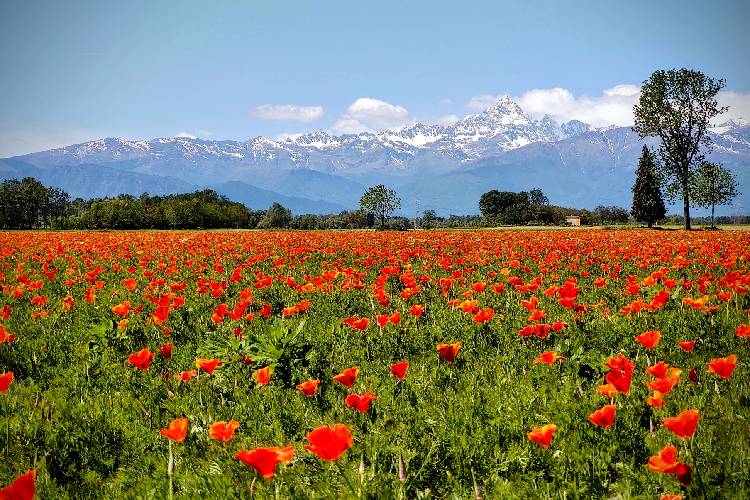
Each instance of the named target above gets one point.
<point>22,488</point>
<point>208,365</point>
<point>223,431</point>
<point>177,430</point>
<point>263,375</point>
<point>186,375</point>
<point>723,367</point>
<point>665,462</point>
<point>347,377</point>
<point>329,443</point>
<point>141,359</point>
<point>360,403</point>
<point>743,330</point>
<point>5,381</point>
<point>683,424</point>
<point>308,387</point>
<point>604,417</point>
<point>649,339</point>
<point>449,351</point>
<point>122,309</point>
<point>417,310</point>
<point>543,435</point>
<point>265,460</point>
<point>656,401</point>
<point>607,390</point>
<point>399,369</point>
<point>548,358</point>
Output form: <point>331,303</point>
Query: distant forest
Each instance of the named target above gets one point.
<point>28,204</point>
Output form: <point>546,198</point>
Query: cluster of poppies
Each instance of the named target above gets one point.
<point>552,284</point>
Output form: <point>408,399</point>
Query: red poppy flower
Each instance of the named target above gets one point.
<point>604,417</point>
<point>223,431</point>
<point>177,430</point>
<point>723,367</point>
<point>399,369</point>
<point>166,351</point>
<point>208,365</point>
<point>543,435</point>
<point>484,315</point>
<point>265,460</point>
<point>21,489</point>
<point>308,387</point>
<point>665,462</point>
<point>360,403</point>
<point>141,359</point>
<point>548,358</point>
<point>683,424</point>
<point>347,377</point>
<point>449,351</point>
<point>620,373</point>
<point>649,339</point>
<point>263,375</point>
<point>5,381</point>
<point>683,473</point>
<point>686,346</point>
<point>329,443</point>
<point>743,330</point>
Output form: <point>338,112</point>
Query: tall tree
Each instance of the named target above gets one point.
<point>380,201</point>
<point>677,105</point>
<point>713,185</point>
<point>648,204</point>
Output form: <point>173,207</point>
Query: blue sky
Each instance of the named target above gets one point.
<point>78,70</point>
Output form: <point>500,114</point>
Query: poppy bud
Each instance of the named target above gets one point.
<point>693,376</point>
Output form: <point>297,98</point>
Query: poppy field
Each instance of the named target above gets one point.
<point>518,364</point>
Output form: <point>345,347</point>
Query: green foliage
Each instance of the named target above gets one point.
<point>380,201</point>
<point>506,207</point>
<point>677,106</point>
<point>28,204</point>
<point>713,185</point>
<point>648,205</point>
<point>276,217</point>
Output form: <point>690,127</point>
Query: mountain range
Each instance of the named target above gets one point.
<point>446,168</point>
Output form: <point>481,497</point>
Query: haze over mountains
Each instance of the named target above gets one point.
<point>446,168</point>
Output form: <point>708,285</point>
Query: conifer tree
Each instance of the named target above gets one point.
<point>648,205</point>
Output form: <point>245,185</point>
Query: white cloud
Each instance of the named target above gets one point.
<point>289,112</point>
<point>739,105</point>
<point>613,107</point>
<point>19,142</point>
<point>367,114</point>
<point>185,134</point>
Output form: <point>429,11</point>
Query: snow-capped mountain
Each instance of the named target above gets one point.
<point>447,167</point>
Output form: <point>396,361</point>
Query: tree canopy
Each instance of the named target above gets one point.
<point>648,204</point>
<point>677,106</point>
<point>380,201</point>
<point>713,185</point>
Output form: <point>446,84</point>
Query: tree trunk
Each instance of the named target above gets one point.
<point>712,215</point>
<point>650,224</point>
<point>686,206</point>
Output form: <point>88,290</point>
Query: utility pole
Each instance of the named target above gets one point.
<point>416,214</point>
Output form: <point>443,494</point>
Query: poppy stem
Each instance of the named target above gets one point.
<point>170,470</point>
<point>346,478</point>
